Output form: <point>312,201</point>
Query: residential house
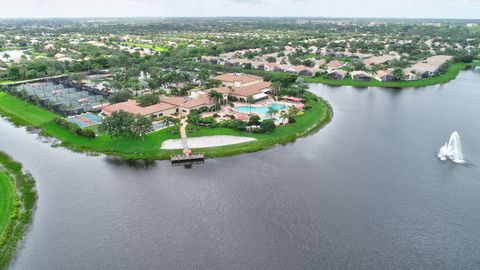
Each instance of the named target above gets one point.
<point>409,75</point>
<point>336,74</point>
<point>360,76</point>
<point>431,66</point>
<point>310,71</point>
<point>334,64</point>
<point>377,60</point>
<point>384,76</point>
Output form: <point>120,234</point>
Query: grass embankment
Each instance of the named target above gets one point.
<point>23,113</point>
<point>146,46</point>
<point>315,118</point>
<point>17,200</point>
<point>449,75</point>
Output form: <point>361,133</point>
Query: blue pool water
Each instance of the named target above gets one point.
<point>260,110</point>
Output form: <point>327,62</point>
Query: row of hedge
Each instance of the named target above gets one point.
<point>88,133</point>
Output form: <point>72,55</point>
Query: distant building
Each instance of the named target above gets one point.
<point>431,66</point>
<point>377,60</point>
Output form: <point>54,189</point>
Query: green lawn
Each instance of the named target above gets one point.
<point>7,200</point>
<point>5,82</point>
<point>17,200</point>
<point>24,113</point>
<point>451,74</point>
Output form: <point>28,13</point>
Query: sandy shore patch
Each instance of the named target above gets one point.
<point>205,142</point>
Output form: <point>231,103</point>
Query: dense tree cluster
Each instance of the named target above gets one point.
<point>124,125</point>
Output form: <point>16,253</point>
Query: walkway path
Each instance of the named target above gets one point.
<point>183,133</point>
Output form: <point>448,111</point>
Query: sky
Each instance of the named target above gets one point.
<point>469,9</point>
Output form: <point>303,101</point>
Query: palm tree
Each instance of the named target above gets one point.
<point>276,87</point>
<point>250,101</point>
<point>284,115</point>
<point>49,104</point>
<point>272,112</point>
<point>216,96</point>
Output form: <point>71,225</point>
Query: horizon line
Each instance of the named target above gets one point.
<point>239,17</point>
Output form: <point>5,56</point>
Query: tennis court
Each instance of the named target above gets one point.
<point>85,120</point>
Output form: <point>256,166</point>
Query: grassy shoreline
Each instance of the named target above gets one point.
<point>448,76</point>
<point>23,113</point>
<point>23,198</point>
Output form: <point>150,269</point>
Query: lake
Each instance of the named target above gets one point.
<point>12,55</point>
<point>365,192</point>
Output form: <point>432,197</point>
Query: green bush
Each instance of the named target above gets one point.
<point>87,133</point>
<point>267,125</point>
<point>74,128</point>
<point>234,124</point>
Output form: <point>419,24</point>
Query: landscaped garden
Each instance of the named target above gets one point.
<point>148,147</point>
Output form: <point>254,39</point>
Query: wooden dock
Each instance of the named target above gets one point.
<point>179,160</point>
<point>187,158</point>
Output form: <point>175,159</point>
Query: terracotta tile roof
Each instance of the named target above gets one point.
<point>177,101</point>
<point>382,73</point>
<point>243,91</point>
<point>203,100</point>
<point>237,77</point>
<point>131,106</point>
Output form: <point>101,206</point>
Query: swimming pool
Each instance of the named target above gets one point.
<point>260,110</point>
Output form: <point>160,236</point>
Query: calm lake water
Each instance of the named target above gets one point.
<point>12,55</point>
<point>366,192</point>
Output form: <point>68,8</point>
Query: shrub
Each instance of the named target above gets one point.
<point>87,133</point>
<point>74,128</point>
<point>254,120</point>
<point>120,96</point>
<point>267,125</point>
<point>148,100</point>
<point>234,124</point>
<point>208,121</point>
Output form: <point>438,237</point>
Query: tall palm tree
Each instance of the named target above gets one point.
<point>272,112</point>
<point>276,87</point>
<point>215,96</point>
<point>250,101</point>
<point>284,115</point>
